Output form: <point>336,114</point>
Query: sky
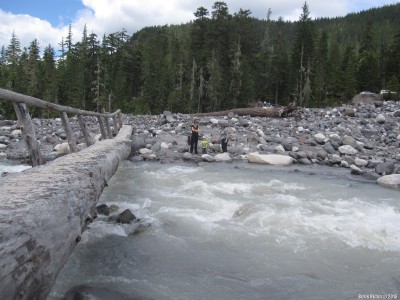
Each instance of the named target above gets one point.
<point>48,20</point>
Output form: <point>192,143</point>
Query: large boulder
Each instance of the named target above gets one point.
<point>223,157</point>
<point>270,159</point>
<point>390,181</point>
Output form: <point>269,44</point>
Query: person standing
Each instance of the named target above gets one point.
<point>195,136</point>
<point>224,138</point>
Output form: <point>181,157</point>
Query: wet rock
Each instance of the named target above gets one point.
<point>126,217</point>
<point>86,292</point>
<point>103,209</point>
<point>390,181</point>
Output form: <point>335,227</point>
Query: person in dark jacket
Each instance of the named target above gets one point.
<point>195,136</point>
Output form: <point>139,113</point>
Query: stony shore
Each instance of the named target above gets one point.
<point>362,137</point>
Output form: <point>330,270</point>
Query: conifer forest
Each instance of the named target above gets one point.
<point>220,60</point>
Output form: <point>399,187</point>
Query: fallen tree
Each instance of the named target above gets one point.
<point>271,112</point>
<point>44,210</point>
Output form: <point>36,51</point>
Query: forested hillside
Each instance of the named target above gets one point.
<point>220,60</point>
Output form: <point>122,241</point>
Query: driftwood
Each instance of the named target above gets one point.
<point>271,112</point>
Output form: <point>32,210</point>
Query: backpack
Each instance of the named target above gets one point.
<point>189,139</point>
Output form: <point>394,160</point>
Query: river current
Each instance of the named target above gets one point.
<point>241,231</point>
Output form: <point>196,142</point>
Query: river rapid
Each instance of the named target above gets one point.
<point>241,231</point>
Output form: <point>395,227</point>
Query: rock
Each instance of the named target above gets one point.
<point>380,119</point>
<point>223,123</point>
<point>207,157</point>
<point>320,138</point>
<point>356,170</point>
<point>329,148</point>
<point>271,159</point>
<point>384,168</point>
<point>103,209</point>
<point>350,112</point>
<point>61,149</point>
<point>145,151</point>
<point>113,208</point>
<point>187,156</point>
<point>390,181</point>
<point>85,292</point>
<point>360,162</point>
<point>347,149</point>
<point>126,217</point>
<point>280,149</point>
<point>349,140</point>
<point>304,161</point>
<point>224,157</point>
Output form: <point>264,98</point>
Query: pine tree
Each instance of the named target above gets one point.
<point>33,70</point>
<point>192,85</point>
<point>321,69</point>
<point>279,64</point>
<point>236,75</point>
<point>367,66</point>
<point>12,56</point>
<point>49,76</point>
<point>214,84</point>
<point>303,46</point>
<point>202,87</point>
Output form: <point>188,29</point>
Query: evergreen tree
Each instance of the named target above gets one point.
<point>303,45</point>
<point>236,75</point>
<point>367,67</point>
<point>12,57</point>
<point>214,84</point>
<point>33,70</point>
<point>199,35</point>
<point>49,75</point>
<point>279,64</point>
<point>321,69</point>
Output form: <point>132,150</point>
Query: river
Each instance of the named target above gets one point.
<point>241,231</point>
<point>11,166</point>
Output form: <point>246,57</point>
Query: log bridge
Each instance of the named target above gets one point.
<point>44,210</point>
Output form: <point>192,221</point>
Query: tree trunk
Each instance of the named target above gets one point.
<point>43,212</point>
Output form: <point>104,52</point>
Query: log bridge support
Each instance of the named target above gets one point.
<point>21,103</point>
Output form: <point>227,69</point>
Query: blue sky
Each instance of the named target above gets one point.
<point>48,20</point>
<point>54,11</point>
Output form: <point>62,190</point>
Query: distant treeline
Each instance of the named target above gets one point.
<point>218,61</point>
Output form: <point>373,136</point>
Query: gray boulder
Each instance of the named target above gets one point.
<point>126,217</point>
<point>384,168</point>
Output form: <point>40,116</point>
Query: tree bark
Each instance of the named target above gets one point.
<point>43,212</point>
<point>28,133</point>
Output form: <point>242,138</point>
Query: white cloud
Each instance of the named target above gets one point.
<point>107,16</point>
<point>27,28</point>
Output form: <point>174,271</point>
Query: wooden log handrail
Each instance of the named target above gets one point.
<point>36,102</point>
<point>21,103</point>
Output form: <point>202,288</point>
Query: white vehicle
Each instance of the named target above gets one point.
<point>383,92</point>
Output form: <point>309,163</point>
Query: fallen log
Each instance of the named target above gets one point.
<point>270,112</point>
<point>44,210</point>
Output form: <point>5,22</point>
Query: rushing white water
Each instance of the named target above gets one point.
<point>241,231</point>
<point>10,166</point>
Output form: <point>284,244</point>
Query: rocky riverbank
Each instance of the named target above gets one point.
<point>363,137</point>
